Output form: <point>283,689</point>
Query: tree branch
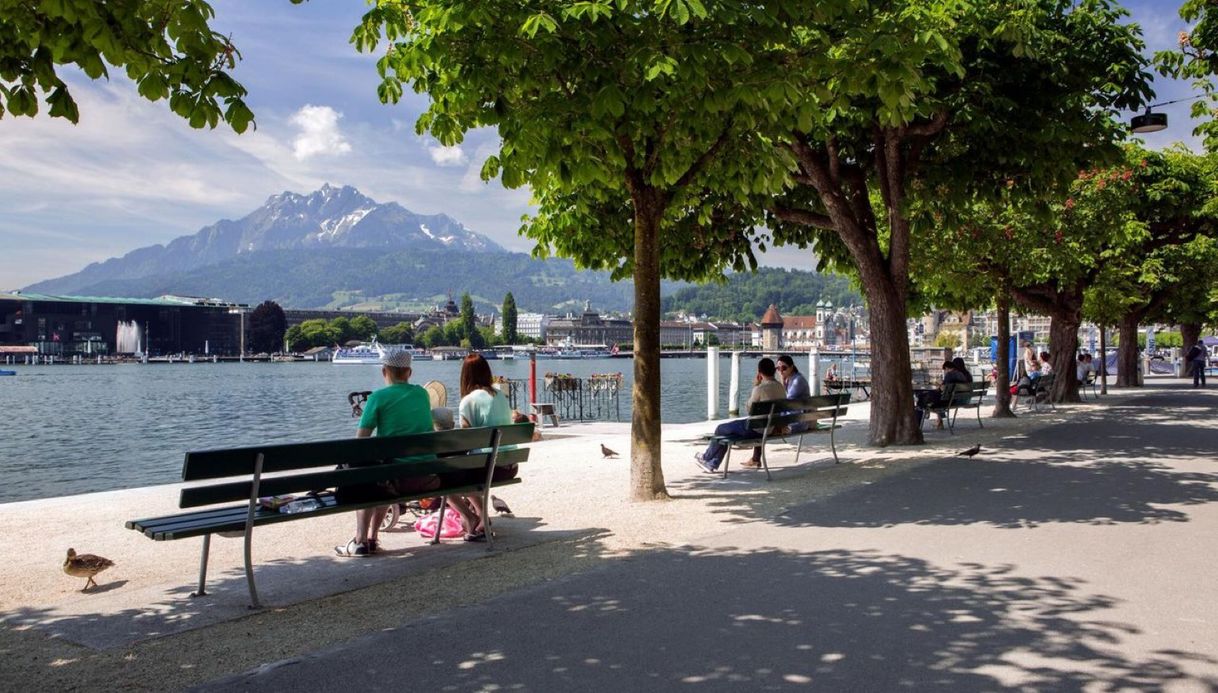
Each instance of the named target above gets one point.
<point>803,216</point>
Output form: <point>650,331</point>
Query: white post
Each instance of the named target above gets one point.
<point>814,371</point>
<point>733,386</point>
<point>712,382</point>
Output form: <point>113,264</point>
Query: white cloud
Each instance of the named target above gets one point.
<point>447,156</point>
<point>319,133</point>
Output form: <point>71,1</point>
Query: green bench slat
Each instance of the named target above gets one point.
<point>233,518</point>
<point>194,497</point>
<point>217,464</point>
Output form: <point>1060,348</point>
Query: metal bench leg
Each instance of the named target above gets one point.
<point>202,591</point>
<point>979,424</point>
<point>486,491</point>
<point>833,438</point>
<point>439,520</point>
<point>799,447</point>
<point>951,421</point>
<point>765,464</point>
<point>249,533</point>
<point>727,459</point>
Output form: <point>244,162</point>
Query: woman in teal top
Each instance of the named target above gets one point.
<point>481,405</point>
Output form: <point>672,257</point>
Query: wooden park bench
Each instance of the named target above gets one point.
<point>958,396</point>
<point>240,476</point>
<point>774,419</point>
<point>1041,386</point>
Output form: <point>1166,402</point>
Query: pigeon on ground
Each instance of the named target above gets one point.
<point>86,566</point>
<point>607,452</point>
<point>970,452</point>
<point>499,506</point>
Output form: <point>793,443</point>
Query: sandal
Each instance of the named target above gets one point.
<point>374,545</point>
<point>475,536</point>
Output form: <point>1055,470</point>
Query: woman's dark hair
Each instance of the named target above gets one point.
<point>766,367</point>
<point>958,362</point>
<point>790,363</point>
<point>949,365</point>
<point>475,374</point>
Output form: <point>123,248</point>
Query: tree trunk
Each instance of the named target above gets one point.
<point>646,474</point>
<point>1127,353</point>
<point>1002,384</point>
<point>1063,340</point>
<point>1190,334</point>
<point>893,419</point>
<point>1103,371</point>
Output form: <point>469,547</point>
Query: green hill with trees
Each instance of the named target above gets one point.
<point>745,296</point>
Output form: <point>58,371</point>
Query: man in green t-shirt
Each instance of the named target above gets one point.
<point>395,410</point>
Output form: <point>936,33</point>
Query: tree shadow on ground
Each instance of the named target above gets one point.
<point>1127,463</point>
<point>101,623</point>
<point>772,619</point>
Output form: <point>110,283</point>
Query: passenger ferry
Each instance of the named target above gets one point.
<point>363,354</point>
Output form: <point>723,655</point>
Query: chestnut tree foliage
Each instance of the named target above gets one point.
<point>167,47</point>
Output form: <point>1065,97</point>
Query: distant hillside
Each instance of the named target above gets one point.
<point>329,218</point>
<point>745,296</point>
<point>375,279</point>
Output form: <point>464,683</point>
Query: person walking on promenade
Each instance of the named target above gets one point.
<point>765,389</point>
<point>1197,359</point>
<point>397,409</point>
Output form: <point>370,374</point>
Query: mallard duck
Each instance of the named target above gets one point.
<point>85,566</point>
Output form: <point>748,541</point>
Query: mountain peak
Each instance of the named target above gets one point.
<point>329,217</point>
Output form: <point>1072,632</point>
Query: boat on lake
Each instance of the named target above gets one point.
<point>364,354</point>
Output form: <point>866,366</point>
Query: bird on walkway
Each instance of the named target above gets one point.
<point>970,452</point>
<point>607,452</point>
<point>499,506</point>
<point>85,565</point>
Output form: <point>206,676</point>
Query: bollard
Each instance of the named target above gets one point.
<point>712,383</point>
<point>733,387</point>
<point>814,371</point>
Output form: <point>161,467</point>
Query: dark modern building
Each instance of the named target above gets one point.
<point>89,325</point>
<point>589,329</point>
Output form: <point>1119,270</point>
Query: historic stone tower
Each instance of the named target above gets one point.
<point>771,330</point>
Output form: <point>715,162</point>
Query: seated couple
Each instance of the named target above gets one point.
<point>766,387</point>
<point>956,378</point>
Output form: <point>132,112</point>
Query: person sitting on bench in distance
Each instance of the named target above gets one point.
<point>954,378</point>
<point>398,409</point>
<point>797,388</point>
<point>765,389</point>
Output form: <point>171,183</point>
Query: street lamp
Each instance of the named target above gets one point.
<point>240,311</point>
<point>1154,122</point>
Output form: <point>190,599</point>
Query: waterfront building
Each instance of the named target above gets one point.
<point>677,333</point>
<point>528,325</point>
<point>589,329</point>
<point>800,332</point>
<point>90,325</point>
<point>771,330</point>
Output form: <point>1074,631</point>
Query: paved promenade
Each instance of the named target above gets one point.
<point>1075,556</point>
<point>1075,553</point>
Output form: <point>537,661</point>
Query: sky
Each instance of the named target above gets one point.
<point>132,174</point>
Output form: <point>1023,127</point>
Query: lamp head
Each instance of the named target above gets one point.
<point>1148,122</point>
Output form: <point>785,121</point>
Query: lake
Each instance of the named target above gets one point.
<point>77,429</point>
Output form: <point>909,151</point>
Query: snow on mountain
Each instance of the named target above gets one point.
<point>329,217</point>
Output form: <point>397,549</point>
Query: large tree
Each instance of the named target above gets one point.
<point>1196,59</point>
<point>167,48</point>
<point>635,123</point>
<point>469,323</point>
<point>267,327</point>
<point>915,98</point>
<point>509,318</point>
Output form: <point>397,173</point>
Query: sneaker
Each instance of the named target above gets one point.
<point>352,548</point>
<point>703,464</point>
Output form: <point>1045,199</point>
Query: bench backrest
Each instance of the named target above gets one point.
<point>1044,383</point>
<point>785,412</point>
<point>371,460</point>
<point>966,395</point>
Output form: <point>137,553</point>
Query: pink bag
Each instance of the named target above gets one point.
<point>426,525</point>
